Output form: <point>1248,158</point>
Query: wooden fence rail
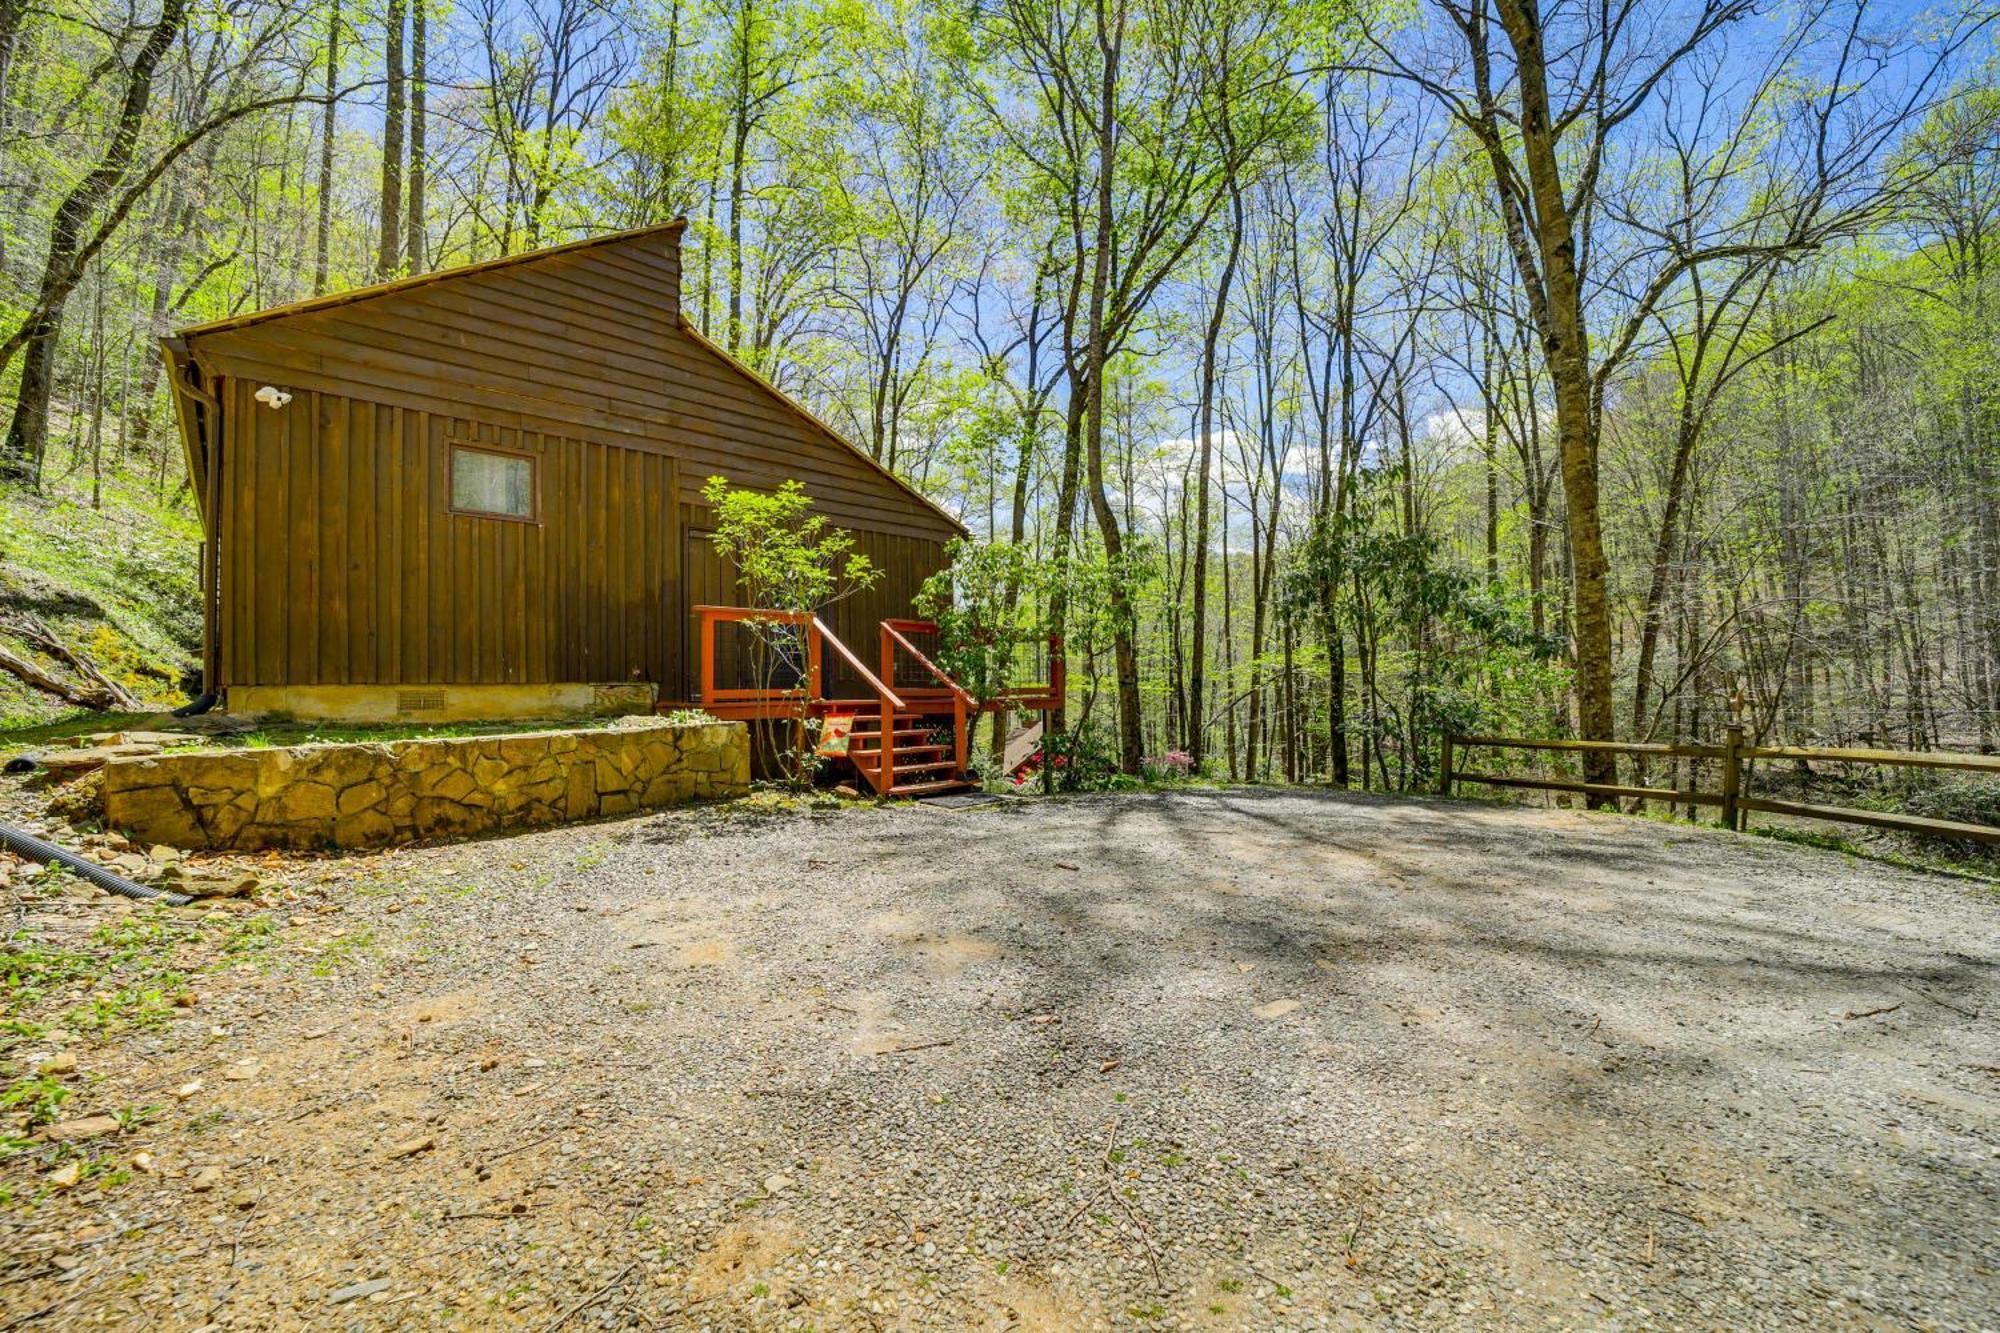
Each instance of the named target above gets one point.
<point>1734,799</point>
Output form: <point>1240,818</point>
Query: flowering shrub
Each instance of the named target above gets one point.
<point>1080,760</point>
<point>1173,766</point>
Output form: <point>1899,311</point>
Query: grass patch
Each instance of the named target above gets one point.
<point>1980,870</point>
<point>342,951</point>
<point>130,974</point>
<point>309,733</point>
<point>127,596</point>
<point>28,731</point>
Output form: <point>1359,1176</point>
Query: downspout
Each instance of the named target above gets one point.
<point>206,422</point>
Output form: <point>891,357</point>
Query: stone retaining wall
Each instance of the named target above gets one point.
<point>371,795</point>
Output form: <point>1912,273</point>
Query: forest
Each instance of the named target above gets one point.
<point>1339,375</point>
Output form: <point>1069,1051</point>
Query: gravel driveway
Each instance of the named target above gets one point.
<point>1216,1059</point>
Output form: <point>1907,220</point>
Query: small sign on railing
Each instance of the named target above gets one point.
<point>835,732</point>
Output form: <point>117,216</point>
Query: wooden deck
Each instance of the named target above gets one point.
<point>910,733</point>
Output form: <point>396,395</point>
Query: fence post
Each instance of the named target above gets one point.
<point>1444,767</point>
<point>1732,775</point>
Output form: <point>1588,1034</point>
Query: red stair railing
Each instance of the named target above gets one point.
<point>962,701</point>
<point>887,699</point>
<point>737,701</point>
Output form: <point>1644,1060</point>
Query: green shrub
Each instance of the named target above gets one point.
<point>1965,801</point>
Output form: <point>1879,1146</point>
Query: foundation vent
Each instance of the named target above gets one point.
<point>419,701</point>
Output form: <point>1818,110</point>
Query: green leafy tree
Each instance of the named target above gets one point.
<point>1440,650</point>
<point>990,602</point>
<point>788,560</point>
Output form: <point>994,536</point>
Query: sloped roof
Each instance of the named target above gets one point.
<point>331,301</point>
<point>395,285</point>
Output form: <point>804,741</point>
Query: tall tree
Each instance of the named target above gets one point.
<point>1554,98</point>
<point>389,254</point>
<point>414,247</point>
<point>69,241</point>
<point>323,231</point>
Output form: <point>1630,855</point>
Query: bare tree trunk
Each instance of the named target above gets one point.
<point>389,258</point>
<point>323,231</point>
<point>415,247</point>
<point>95,391</point>
<point>100,692</point>
<point>739,149</point>
<point>1031,431</point>
<point>1253,722</point>
<point>1228,641</point>
<point>1291,704</point>
<point>1686,430</point>
<point>1565,344</point>
<point>171,237</point>
<point>26,671</point>
<point>1490,453</point>
<point>1204,447</point>
<point>1065,517</point>
<point>708,258</point>
<point>1124,627</point>
<point>11,14</point>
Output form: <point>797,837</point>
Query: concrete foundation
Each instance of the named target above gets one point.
<point>440,703</point>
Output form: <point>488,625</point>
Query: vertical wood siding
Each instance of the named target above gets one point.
<point>344,565</point>
<point>905,563</point>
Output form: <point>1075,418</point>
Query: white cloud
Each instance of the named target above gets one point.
<point>1455,427</point>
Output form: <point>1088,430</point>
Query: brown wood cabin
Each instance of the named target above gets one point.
<point>476,493</point>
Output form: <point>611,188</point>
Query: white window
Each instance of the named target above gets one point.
<point>491,483</point>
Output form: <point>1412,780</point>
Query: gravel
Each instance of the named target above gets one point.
<point>1230,1059</point>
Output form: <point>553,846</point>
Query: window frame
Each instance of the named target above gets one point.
<point>533,460</point>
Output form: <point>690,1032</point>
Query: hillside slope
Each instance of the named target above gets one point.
<point>118,583</point>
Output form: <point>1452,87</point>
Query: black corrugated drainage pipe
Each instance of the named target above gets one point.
<point>199,705</point>
<point>47,853</point>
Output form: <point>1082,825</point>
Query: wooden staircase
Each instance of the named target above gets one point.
<point>919,764</point>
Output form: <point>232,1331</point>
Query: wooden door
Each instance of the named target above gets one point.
<point>707,580</point>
